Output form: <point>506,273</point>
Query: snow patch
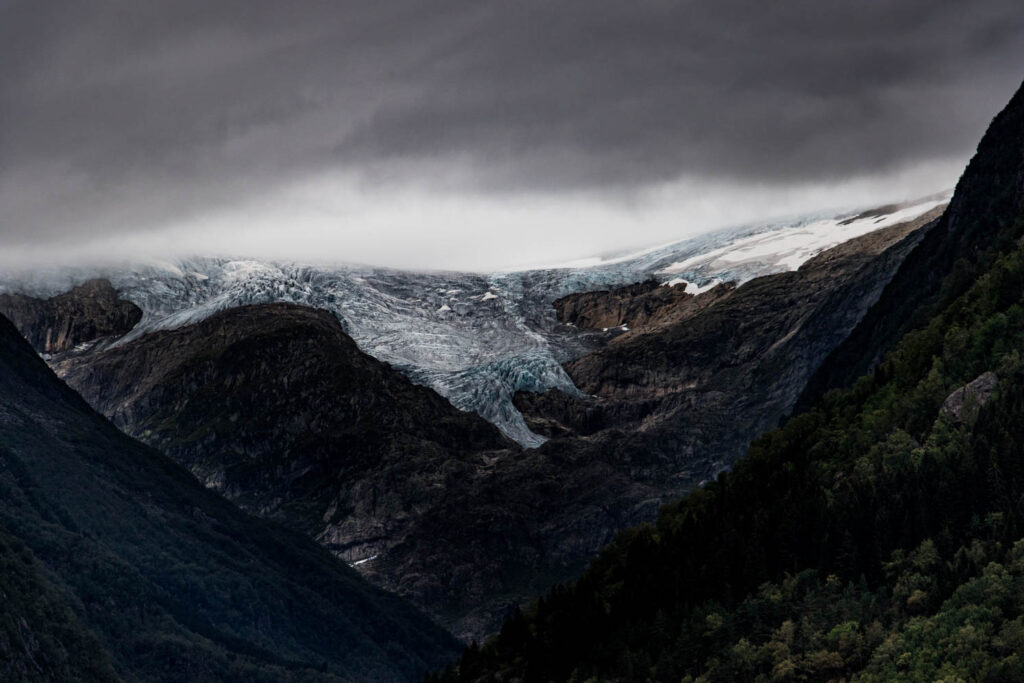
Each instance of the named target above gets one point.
<point>695,289</point>
<point>692,287</point>
<point>787,247</point>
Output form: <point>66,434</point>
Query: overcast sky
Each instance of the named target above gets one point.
<point>475,134</point>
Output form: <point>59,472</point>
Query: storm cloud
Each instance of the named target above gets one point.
<point>371,121</point>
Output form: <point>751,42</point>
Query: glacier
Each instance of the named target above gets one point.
<point>475,338</point>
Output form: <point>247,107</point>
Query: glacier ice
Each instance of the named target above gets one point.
<point>474,338</point>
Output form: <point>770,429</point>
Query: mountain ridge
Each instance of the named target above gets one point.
<point>169,577</point>
<point>474,338</point>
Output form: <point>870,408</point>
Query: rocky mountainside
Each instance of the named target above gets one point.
<point>642,304</point>
<point>86,314</point>
<point>116,564</point>
<point>275,407</point>
<point>695,377</point>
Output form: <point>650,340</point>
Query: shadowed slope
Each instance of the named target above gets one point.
<point>175,582</point>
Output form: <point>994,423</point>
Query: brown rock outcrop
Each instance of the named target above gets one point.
<point>87,313</point>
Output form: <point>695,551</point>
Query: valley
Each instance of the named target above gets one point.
<point>628,397</point>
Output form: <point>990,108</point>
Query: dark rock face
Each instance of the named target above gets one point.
<point>601,308</point>
<point>643,304</point>
<point>695,389</point>
<point>121,566</point>
<point>963,404</point>
<point>87,313</point>
<point>745,324</point>
<point>275,407</point>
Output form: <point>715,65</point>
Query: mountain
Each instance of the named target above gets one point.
<point>879,535</point>
<point>641,304</point>
<point>695,377</point>
<point>116,564</point>
<point>476,339</point>
<point>275,407</point>
<point>85,315</point>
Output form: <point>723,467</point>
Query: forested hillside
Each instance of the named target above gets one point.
<point>876,535</point>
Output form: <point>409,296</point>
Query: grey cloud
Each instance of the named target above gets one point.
<point>639,92</point>
<point>120,113</point>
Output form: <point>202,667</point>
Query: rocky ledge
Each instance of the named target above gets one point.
<point>86,314</point>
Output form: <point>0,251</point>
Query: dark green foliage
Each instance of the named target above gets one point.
<point>123,548</point>
<point>40,637</point>
<point>872,536</point>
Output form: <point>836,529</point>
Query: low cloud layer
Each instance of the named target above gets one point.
<point>475,134</point>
